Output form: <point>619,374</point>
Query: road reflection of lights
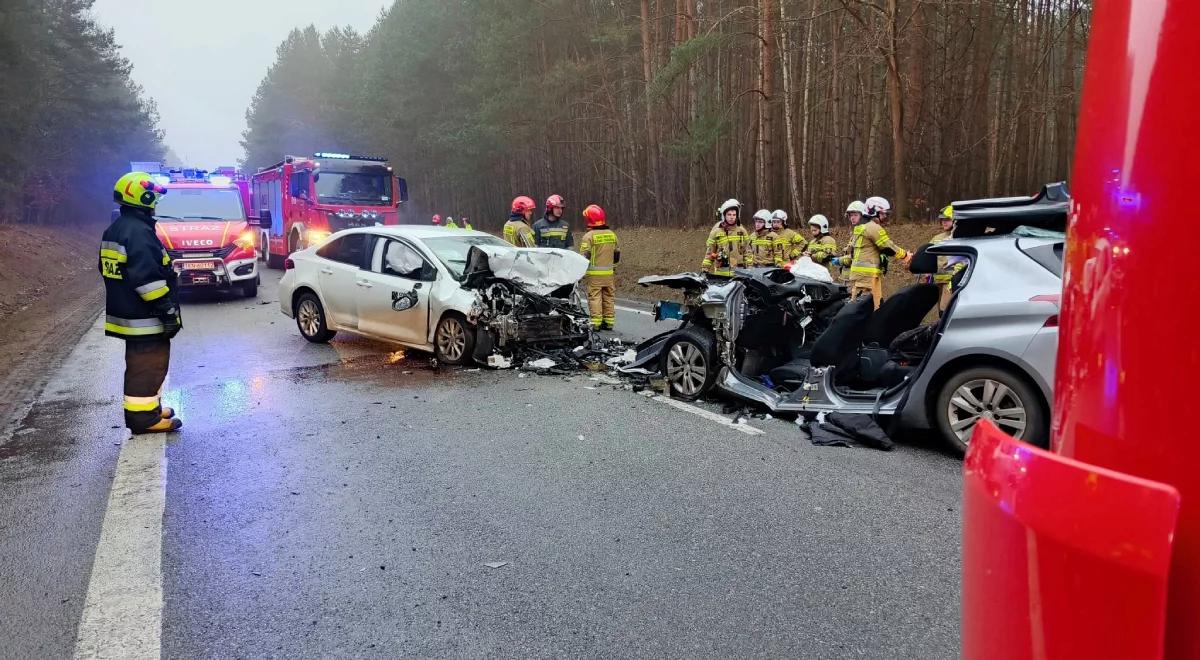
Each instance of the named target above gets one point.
<point>393,358</point>
<point>258,384</point>
<point>233,397</point>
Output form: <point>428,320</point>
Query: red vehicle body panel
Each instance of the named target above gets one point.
<point>1127,354</point>
<point>296,213</point>
<point>199,242</point>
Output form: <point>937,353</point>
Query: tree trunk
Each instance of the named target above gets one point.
<point>794,181</point>
<point>651,142</point>
<point>896,104</point>
<point>764,163</point>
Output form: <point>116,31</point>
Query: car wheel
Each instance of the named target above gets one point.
<point>689,363</point>
<point>310,318</point>
<point>990,393</point>
<point>250,288</point>
<point>453,341</point>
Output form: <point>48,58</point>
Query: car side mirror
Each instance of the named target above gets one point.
<point>401,189</point>
<point>264,218</point>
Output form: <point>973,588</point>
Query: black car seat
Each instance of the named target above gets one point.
<point>901,312</point>
<point>841,339</point>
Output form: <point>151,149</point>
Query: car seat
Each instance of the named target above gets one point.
<point>900,313</point>
<point>841,339</point>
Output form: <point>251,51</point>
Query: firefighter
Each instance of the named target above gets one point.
<point>854,214</point>
<point>948,266</point>
<point>551,230</point>
<point>599,245</point>
<point>725,249</point>
<point>437,220</point>
<point>140,300</point>
<point>467,223</point>
<point>821,248</point>
<point>762,243</point>
<point>868,261</point>
<point>450,223</point>
<point>517,230</point>
<point>785,238</point>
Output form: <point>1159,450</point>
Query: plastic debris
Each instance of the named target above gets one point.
<point>496,361</point>
<point>495,564</point>
<point>543,363</point>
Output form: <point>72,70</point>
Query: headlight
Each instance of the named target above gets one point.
<point>245,241</point>
<point>316,236</point>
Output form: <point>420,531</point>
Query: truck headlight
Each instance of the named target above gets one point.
<point>316,236</point>
<point>245,241</point>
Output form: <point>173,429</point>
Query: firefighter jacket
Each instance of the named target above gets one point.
<point>947,267</point>
<point>787,246</point>
<point>823,249</point>
<point>552,232</point>
<point>518,232</point>
<point>140,296</point>
<point>867,260</point>
<point>762,249</point>
<point>600,246</point>
<point>725,250</point>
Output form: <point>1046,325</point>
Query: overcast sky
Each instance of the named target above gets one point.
<point>201,61</point>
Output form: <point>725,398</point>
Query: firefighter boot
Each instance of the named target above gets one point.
<point>167,413</point>
<point>161,426</point>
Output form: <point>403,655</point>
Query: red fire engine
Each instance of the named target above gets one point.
<point>300,201</point>
<point>203,223</point>
<point>1092,550</point>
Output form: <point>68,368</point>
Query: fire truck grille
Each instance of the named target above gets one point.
<point>219,253</point>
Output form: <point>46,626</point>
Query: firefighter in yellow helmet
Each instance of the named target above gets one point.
<point>141,301</point>
<point>948,267</point>
<point>599,245</point>
<point>869,247</point>
<point>726,246</point>
<point>786,239</point>
<point>821,248</point>
<point>762,242</point>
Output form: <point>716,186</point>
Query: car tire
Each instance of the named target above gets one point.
<point>453,340</point>
<point>250,288</point>
<point>992,393</point>
<point>310,319</point>
<point>689,363</point>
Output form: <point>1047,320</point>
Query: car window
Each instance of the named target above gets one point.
<point>452,250</point>
<point>349,249</point>
<point>1048,255</point>
<point>401,260</point>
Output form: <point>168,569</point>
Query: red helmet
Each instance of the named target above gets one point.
<point>437,219</point>
<point>522,204</point>
<point>553,201</point>
<point>594,215</point>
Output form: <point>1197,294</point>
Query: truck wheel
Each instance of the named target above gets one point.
<point>310,318</point>
<point>274,261</point>
<point>453,341</point>
<point>689,363</point>
<point>989,393</point>
<point>250,288</point>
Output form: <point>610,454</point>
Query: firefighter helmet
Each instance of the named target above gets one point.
<point>555,200</point>
<point>729,204</point>
<point>781,216</point>
<point>522,204</point>
<point>948,212</point>
<point>857,207</point>
<point>877,205</point>
<point>821,222</point>
<point>437,219</point>
<point>762,215</point>
<point>138,189</point>
<point>594,216</point>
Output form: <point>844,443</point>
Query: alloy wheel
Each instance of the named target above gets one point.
<point>686,368</point>
<point>310,318</point>
<point>985,398</point>
<point>451,339</point>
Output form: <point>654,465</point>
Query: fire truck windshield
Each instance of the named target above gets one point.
<point>369,189</point>
<point>200,204</point>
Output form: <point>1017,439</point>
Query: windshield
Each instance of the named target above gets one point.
<point>357,188</point>
<point>452,250</point>
<point>200,204</point>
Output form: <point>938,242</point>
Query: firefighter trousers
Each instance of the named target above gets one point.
<point>873,286</point>
<point>146,365</point>
<point>602,301</point>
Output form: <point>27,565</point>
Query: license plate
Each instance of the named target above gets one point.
<point>199,265</point>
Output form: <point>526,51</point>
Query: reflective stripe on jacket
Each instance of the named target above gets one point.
<point>552,233</point>
<point>762,249</point>
<point>868,251</point>
<point>725,249</point>
<point>139,283</point>
<point>600,247</point>
<point>518,232</point>
<point>786,246</point>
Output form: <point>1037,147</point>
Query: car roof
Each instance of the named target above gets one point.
<point>418,231</point>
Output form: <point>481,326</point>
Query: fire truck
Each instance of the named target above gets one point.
<point>301,200</point>
<point>1092,549</point>
<point>203,224</point>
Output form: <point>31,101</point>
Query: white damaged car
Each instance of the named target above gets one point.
<point>463,295</point>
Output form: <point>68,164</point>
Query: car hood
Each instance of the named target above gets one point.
<point>199,233</point>
<point>539,270</point>
<point>685,281</point>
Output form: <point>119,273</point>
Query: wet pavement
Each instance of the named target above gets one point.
<point>350,500</point>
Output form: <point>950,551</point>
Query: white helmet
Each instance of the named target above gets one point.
<point>780,215</point>
<point>729,204</point>
<point>877,204</point>
<point>857,207</point>
<point>820,221</point>
<point>764,215</point>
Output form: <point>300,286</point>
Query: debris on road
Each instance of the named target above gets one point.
<point>497,361</point>
<point>543,363</point>
<point>495,564</point>
<point>848,430</point>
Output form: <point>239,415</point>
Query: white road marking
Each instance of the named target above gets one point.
<point>706,414</point>
<point>634,310</point>
<point>122,614</point>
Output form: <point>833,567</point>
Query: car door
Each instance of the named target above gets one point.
<point>393,297</point>
<point>341,260</point>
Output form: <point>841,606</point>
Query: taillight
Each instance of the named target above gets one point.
<point>1053,298</point>
<point>288,264</point>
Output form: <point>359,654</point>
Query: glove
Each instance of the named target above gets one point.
<point>836,261</point>
<point>172,321</point>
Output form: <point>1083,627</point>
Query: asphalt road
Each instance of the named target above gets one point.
<point>346,500</point>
